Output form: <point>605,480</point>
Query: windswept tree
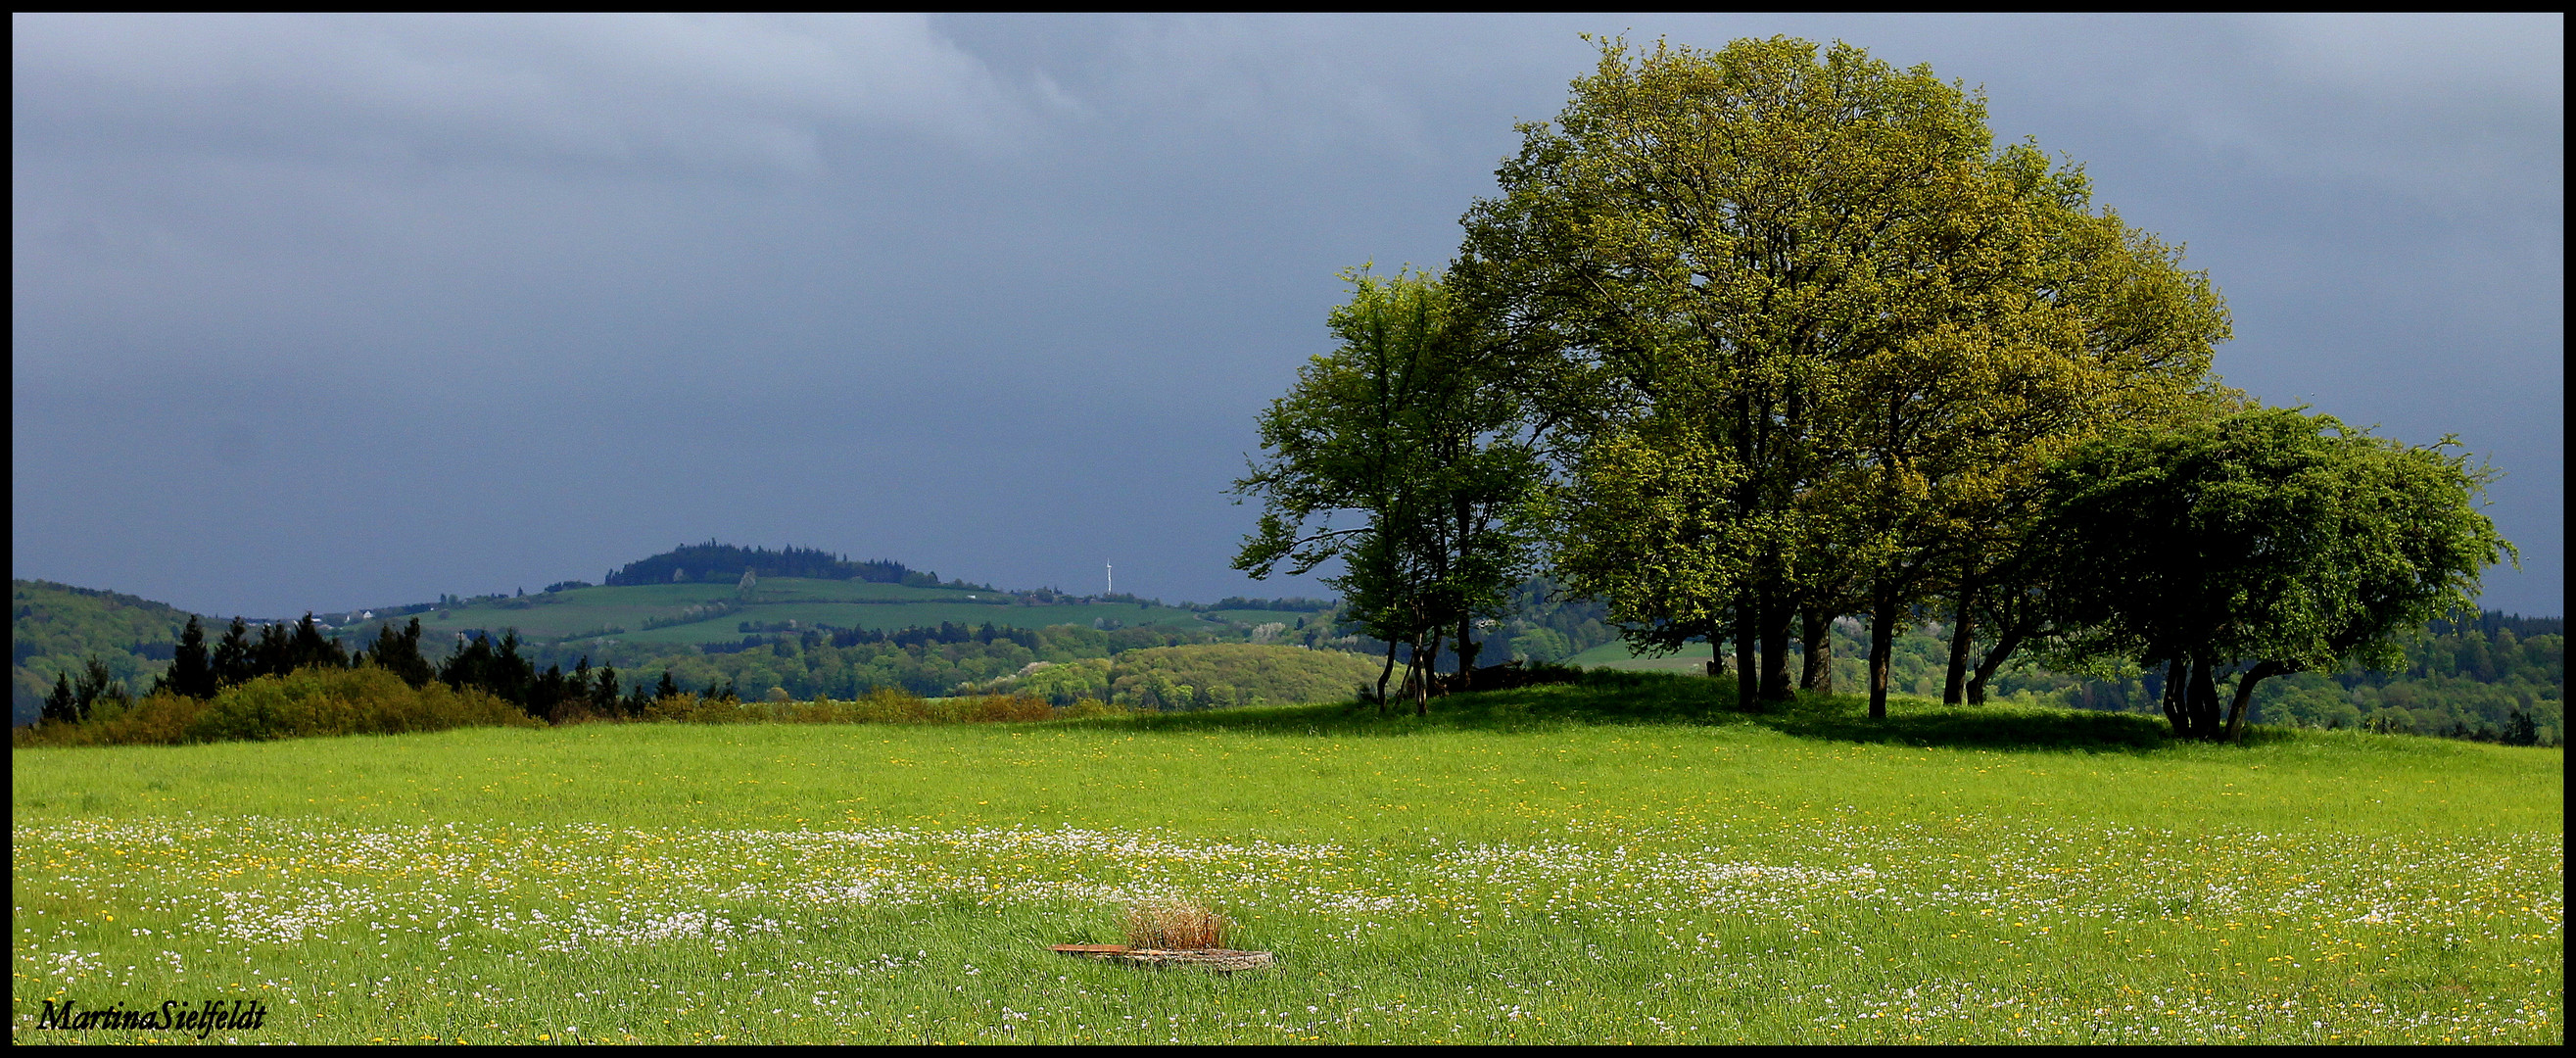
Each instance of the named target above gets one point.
<point>2258,544</point>
<point>1400,455</point>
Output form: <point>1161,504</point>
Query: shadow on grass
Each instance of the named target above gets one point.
<point>1603,697</point>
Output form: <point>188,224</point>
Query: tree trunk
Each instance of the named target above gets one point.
<point>1382,674</point>
<point>1467,645</point>
<point>1412,684</point>
<point>1716,652</point>
<point>1882,644</point>
<point>1775,647</point>
<point>1467,650</point>
<point>2241,710</point>
<point>2177,675</point>
<point>1995,658</point>
<point>1430,672</point>
<point>1816,640</point>
<point>1963,638</point>
<point>2204,700</point>
<point>1746,690</point>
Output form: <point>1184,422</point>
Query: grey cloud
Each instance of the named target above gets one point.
<point>719,92</point>
<point>511,299</point>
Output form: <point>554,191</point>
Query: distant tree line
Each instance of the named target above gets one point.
<point>499,668</point>
<point>711,561</point>
<point>1296,603</point>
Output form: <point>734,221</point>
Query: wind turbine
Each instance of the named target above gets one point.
<point>1112,572</point>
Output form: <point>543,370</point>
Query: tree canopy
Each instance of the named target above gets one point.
<point>1401,434</point>
<point>1800,332</point>
<point>2265,542</point>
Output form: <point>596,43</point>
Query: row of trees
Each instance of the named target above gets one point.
<point>1755,338</point>
<point>498,668</point>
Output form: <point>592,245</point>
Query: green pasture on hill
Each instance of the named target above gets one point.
<point>1262,617</point>
<point>838,603</point>
<point>1621,861</point>
<point>1615,654</point>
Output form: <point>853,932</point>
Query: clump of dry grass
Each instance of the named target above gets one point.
<point>1175,924</point>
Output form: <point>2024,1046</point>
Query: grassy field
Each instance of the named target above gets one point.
<point>1691,661</point>
<point>1612,862</point>
<point>840,603</point>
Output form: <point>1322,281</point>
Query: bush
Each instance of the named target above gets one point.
<point>307,703</point>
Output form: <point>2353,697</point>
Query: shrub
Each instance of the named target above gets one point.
<point>1087,708</point>
<point>360,701</point>
<point>1009,708</point>
<point>306,703</point>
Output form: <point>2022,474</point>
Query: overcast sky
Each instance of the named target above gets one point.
<point>320,312</point>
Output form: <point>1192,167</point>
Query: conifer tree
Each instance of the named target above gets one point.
<point>96,685</point>
<point>603,691</point>
<point>232,661</point>
<point>60,706</point>
<point>274,654</point>
<point>309,649</point>
<point>547,693</point>
<point>511,676</point>
<point>192,671</point>
<point>399,653</point>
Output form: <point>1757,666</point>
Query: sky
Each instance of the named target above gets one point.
<point>319,312</point>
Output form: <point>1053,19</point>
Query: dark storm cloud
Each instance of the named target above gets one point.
<point>317,311</point>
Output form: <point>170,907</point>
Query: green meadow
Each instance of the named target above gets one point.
<point>1624,860</point>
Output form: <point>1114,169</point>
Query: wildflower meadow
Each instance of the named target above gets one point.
<point>1523,866</point>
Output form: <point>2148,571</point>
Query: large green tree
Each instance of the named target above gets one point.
<point>1399,455</point>
<point>1694,251</point>
<point>2260,543</point>
<point>1798,327</point>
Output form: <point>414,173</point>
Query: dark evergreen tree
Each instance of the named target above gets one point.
<point>307,648</point>
<point>471,665</point>
<point>511,674</point>
<point>603,691</point>
<point>192,670</point>
<point>547,694</point>
<point>2521,730</point>
<point>398,652</point>
<point>96,685</point>
<point>274,654</point>
<point>232,661</point>
<point>61,707</point>
<point>667,689</point>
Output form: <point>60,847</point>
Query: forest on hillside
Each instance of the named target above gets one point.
<point>712,561</point>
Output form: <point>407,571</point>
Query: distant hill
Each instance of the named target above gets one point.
<point>54,628</point>
<point>711,561</point>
